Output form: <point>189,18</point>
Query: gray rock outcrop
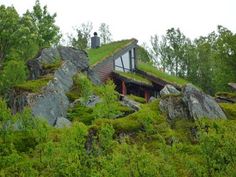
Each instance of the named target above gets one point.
<point>192,104</point>
<point>200,104</point>
<point>51,103</point>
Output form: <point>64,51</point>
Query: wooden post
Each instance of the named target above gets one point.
<point>124,89</point>
<point>146,95</point>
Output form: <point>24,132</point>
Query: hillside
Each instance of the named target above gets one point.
<point>109,137</point>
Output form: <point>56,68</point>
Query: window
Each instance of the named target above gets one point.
<point>126,62</point>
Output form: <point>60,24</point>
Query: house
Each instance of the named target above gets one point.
<point>118,61</point>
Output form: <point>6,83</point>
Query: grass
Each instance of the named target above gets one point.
<point>134,77</point>
<point>34,86</point>
<point>99,54</point>
<point>149,69</point>
<point>52,66</point>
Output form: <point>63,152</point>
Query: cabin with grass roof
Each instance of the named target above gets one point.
<point>118,61</point>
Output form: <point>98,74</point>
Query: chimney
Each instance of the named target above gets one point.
<point>95,41</point>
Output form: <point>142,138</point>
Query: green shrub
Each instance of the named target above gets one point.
<point>82,88</point>
<point>14,72</point>
<point>81,113</point>
<point>109,105</point>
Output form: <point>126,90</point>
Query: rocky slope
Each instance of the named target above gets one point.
<point>51,102</point>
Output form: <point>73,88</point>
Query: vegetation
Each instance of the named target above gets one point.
<point>105,33</point>
<point>34,86</point>
<point>50,67</point>
<point>207,61</point>
<point>229,109</point>
<point>82,88</point>
<point>137,98</point>
<point>149,69</point>
<point>226,94</point>
<point>135,77</point>
<point>110,139</point>
<point>106,51</point>
<point>22,36</point>
<point>9,79</point>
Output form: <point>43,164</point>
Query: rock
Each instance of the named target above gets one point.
<point>151,99</point>
<point>93,77</point>
<point>62,122</point>
<point>174,107</point>
<point>190,104</point>
<point>130,103</point>
<point>201,105</point>
<point>232,85</point>
<point>51,102</point>
<point>168,89</point>
<point>93,100</point>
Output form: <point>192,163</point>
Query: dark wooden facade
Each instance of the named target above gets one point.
<point>104,68</point>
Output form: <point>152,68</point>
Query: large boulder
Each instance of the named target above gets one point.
<point>200,104</point>
<point>192,104</point>
<point>174,107</point>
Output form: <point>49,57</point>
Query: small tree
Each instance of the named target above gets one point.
<point>13,73</point>
<point>82,38</point>
<point>105,33</point>
<point>84,86</point>
<point>108,108</point>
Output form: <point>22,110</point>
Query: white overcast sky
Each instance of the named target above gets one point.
<point>139,18</point>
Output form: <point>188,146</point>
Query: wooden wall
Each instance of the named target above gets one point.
<point>104,70</point>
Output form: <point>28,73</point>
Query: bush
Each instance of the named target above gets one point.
<point>83,86</point>
<point>14,72</point>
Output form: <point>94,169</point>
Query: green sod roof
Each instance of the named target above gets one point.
<point>134,77</point>
<point>151,70</point>
<point>105,51</point>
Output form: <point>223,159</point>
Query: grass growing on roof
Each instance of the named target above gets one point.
<point>34,86</point>
<point>134,77</point>
<point>107,50</point>
<point>149,69</point>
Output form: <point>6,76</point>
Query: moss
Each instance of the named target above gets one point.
<point>135,77</point>
<point>226,94</point>
<point>137,98</point>
<point>52,66</point>
<point>149,69</point>
<point>229,110</point>
<point>106,51</point>
<point>34,86</point>
<point>176,95</point>
<point>73,95</point>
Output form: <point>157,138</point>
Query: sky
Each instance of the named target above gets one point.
<point>139,19</point>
